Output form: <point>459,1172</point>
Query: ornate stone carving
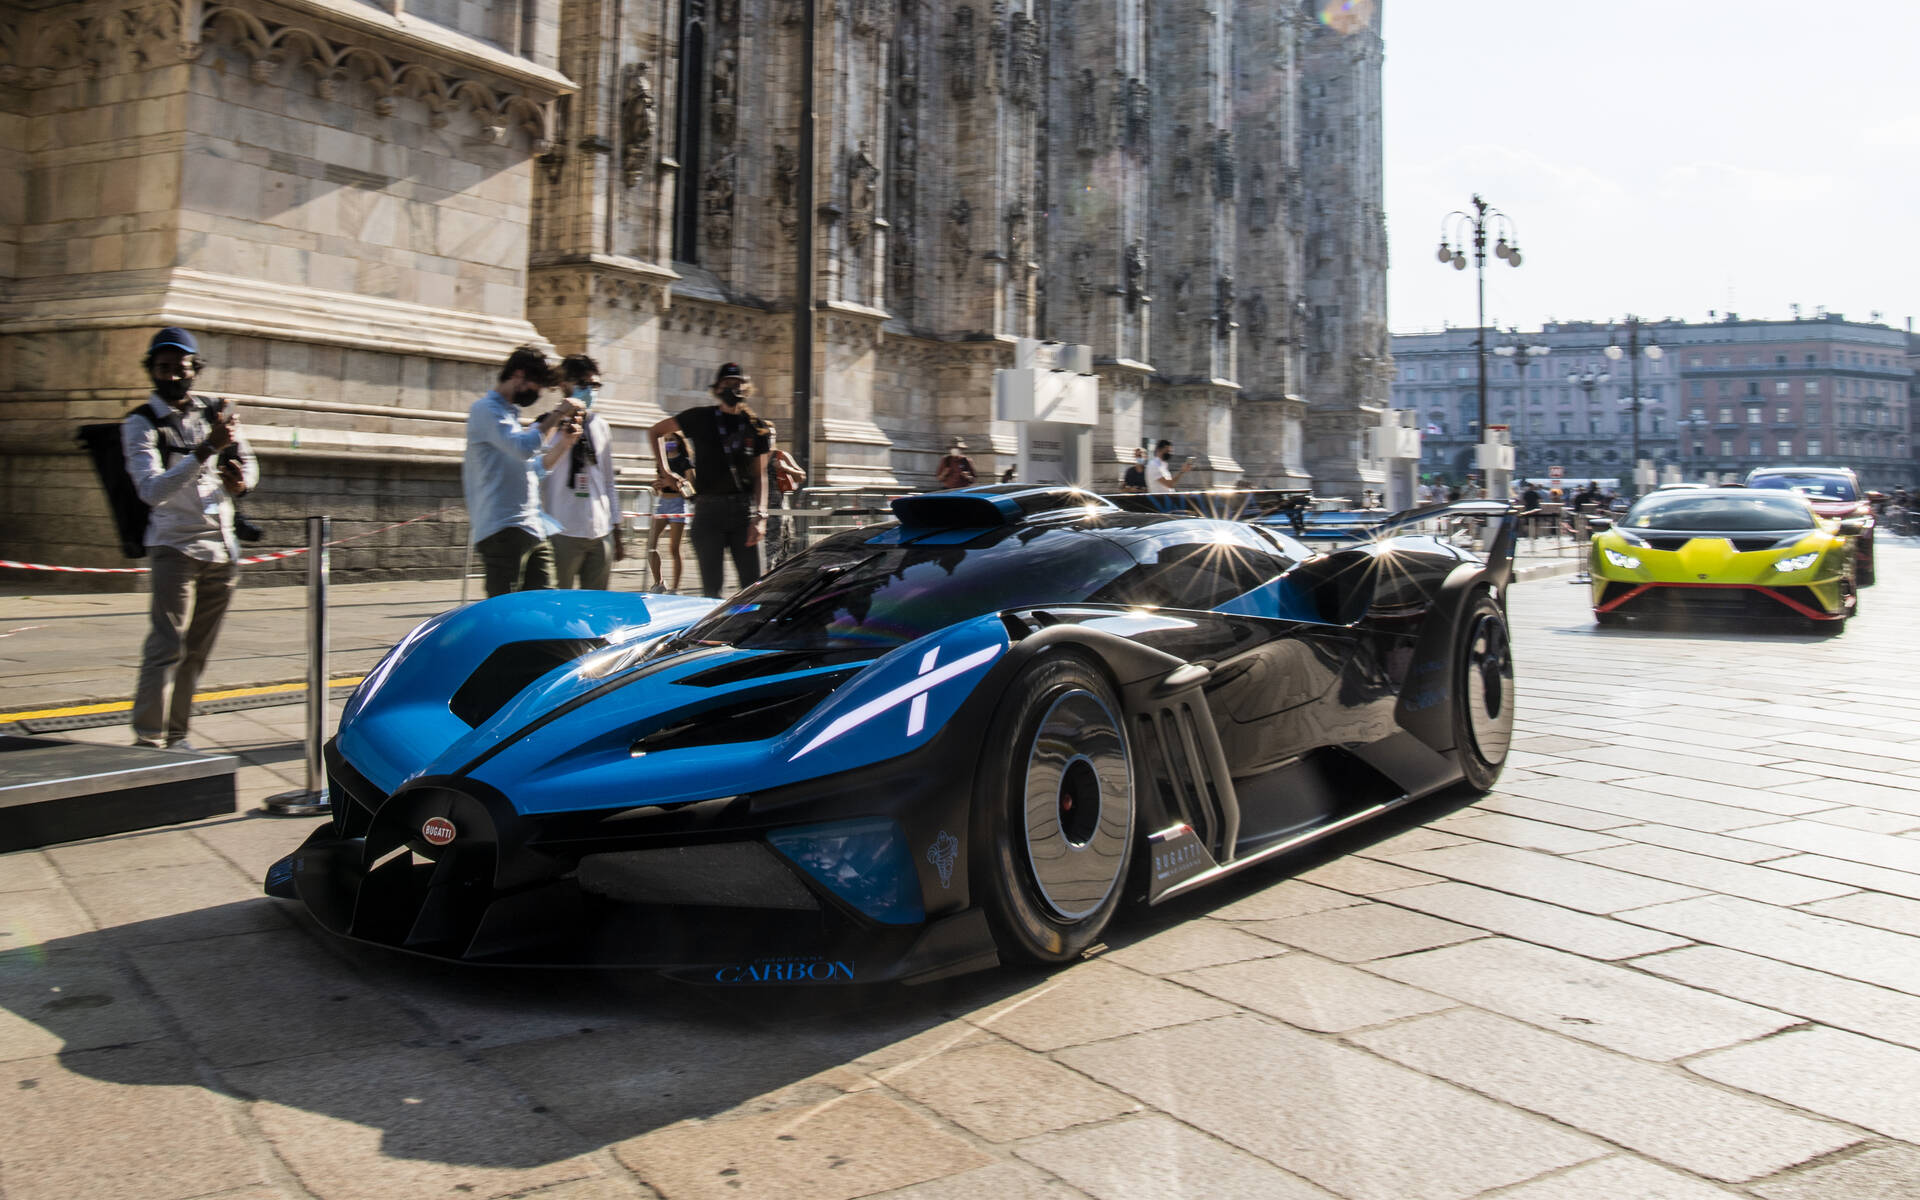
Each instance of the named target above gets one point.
<point>906,71</point>
<point>906,165</point>
<point>786,182</point>
<point>997,47</point>
<point>726,12</point>
<point>961,55</point>
<point>1224,168</point>
<point>1223,305</point>
<point>1024,66</point>
<point>1082,267</point>
<point>1136,273</point>
<point>1258,214</point>
<point>900,252</point>
<point>1086,116</point>
<point>960,232</point>
<point>862,177</point>
<point>724,96</point>
<point>636,122</point>
<point>716,202</point>
<point>1182,299</point>
<point>1139,117</point>
<point>1255,310</point>
<point>268,46</point>
<point>1017,234</point>
<point>553,163</point>
<point>1182,162</point>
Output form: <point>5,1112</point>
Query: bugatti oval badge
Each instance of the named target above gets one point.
<point>438,831</point>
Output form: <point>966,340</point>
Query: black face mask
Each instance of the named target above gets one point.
<point>173,391</point>
<point>526,399</point>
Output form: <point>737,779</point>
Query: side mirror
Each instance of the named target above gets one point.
<point>1599,524</point>
<point>1853,527</point>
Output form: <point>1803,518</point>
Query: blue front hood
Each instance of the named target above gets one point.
<point>567,741</point>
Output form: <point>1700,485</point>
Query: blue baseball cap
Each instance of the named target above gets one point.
<point>173,338</point>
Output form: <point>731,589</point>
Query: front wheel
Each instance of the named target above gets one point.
<point>1483,693</point>
<point>1055,817</point>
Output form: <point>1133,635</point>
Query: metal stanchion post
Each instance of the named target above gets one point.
<point>312,800</point>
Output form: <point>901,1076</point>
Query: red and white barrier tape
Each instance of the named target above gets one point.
<point>245,562</point>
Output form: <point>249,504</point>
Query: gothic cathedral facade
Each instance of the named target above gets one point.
<point>363,205</point>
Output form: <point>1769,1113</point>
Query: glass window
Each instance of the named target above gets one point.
<point>1813,447</point>
<point>1753,447</point>
<point>1753,415</point>
<point>1824,484</point>
<point>1697,413</point>
<point>1726,447</point>
<point>1694,361</point>
<point>1783,414</point>
<point>1697,388</point>
<point>1726,416</point>
<point>1813,387</point>
<point>1781,387</point>
<point>1786,447</point>
<point>1753,512</point>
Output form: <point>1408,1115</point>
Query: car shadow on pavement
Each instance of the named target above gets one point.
<point>493,1067</point>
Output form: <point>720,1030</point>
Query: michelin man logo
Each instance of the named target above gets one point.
<point>943,852</point>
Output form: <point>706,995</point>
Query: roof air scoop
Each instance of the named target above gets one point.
<point>990,506</point>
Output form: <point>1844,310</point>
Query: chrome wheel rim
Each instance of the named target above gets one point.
<point>1488,689</point>
<point>1078,804</point>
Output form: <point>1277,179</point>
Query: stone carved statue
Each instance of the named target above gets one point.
<point>906,73</point>
<point>960,54</point>
<point>1223,305</point>
<point>786,182</point>
<point>726,12</point>
<point>1258,214</point>
<point>862,177</point>
<point>1023,69</point>
<point>1182,298</point>
<point>1136,262</point>
<point>960,232</point>
<point>1139,110</point>
<point>1017,233</point>
<point>1082,260</point>
<point>636,122</point>
<point>724,96</point>
<point>906,164</point>
<point>1182,162</point>
<point>1224,168</point>
<point>716,201</point>
<point>1256,316</point>
<point>1086,118</point>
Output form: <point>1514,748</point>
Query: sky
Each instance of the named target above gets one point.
<point>1660,157</point>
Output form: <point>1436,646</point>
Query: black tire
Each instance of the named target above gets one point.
<point>1483,693</point>
<point>1054,817</point>
<point>1863,569</point>
<point>1849,605</point>
<point>1612,620</point>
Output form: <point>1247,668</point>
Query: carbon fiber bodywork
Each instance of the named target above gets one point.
<point>740,814</point>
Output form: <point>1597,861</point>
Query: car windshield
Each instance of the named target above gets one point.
<point>1693,512</point>
<point>1823,487</point>
<point>848,593</point>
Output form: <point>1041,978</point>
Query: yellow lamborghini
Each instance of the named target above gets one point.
<point>1724,552</point>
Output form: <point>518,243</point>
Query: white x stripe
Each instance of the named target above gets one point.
<point>913,689</point>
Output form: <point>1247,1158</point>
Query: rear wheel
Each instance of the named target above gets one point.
<point>1483,693</point>
<point>1055,817</point>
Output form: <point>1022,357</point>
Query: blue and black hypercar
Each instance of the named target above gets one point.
<point>918,748</point>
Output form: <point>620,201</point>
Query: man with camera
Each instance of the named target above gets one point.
<point>501,474</point>
<point>187,461</point>
<point>580,490</point>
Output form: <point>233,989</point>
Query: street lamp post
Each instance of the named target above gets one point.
<point>1588,381</point>
<point>1520,354</point>
<point>1632,354</point>
<point>1456,229</point>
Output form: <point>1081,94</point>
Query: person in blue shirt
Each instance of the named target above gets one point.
<point>502,471</point>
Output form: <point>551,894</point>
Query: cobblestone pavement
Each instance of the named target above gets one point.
<point>1675,954</point>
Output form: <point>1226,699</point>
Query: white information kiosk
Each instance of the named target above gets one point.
<point>1053,398</point>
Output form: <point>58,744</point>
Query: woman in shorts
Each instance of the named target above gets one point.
<point>670,514</point>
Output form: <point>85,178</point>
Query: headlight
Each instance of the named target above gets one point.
<point>1626,562</point>
<point>1798,562</point>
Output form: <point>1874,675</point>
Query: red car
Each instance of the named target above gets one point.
<point>1835,494</point>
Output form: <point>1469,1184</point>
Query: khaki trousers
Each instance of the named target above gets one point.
<point>190,599</point>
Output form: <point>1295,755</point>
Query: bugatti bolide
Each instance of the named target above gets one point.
<point>920,747</point>
<point>1743,553</point>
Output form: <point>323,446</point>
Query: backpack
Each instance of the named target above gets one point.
<point>104,446</point>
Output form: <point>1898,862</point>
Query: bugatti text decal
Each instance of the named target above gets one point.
<point>811,970</point>
<point>942,853</point>
<point>913,691</point>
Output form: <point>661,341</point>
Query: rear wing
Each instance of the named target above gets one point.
<point>1494,524</point>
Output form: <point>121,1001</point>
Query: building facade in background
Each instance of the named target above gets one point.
<point>362,207</point>
<point>1726,396</point>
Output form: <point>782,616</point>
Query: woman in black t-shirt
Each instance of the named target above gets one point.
<point>730,446</point>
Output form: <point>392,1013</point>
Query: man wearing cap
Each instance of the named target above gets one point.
<point>730,447</point>
<point>956,469</point>
<point>187,461</point>
<point>501,473</point>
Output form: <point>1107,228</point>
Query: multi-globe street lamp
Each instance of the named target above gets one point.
<point>1632,354</point>
<point>1457,228</point>
<point>1588,381</point>
<point>1521,353</point>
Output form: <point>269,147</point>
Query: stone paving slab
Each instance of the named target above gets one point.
<point>1656,985</point>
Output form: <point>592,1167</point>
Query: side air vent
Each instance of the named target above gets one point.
<point>508,670</point>
<point>750,720</point>
<point>772,662</point>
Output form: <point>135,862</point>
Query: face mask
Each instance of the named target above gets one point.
<point>584,395</point>
<point>171,390</point>
<point>527,398</point>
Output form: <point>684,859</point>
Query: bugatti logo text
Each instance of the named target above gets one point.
<point>943,852</point>
<point>809,971</point>
<point>1172,858</point>
<point>438,831</point>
